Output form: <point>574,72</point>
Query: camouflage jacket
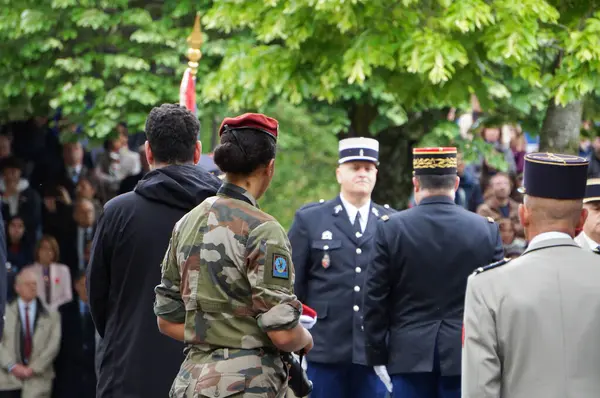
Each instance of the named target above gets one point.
<point>228,274</point>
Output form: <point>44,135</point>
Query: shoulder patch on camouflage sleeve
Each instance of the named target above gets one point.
<point>490,219</point>
<point>491,266</point>
<point>277,270</point>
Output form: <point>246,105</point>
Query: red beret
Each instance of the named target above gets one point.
<point>255,121</point>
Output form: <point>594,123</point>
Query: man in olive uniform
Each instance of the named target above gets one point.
<point>531,324</point>
<point>415,285</point>
<point>332,248</point>
<point>589,238</point>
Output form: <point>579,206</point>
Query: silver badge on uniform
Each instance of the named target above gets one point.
<point>337,209</point>
<point>375,211</point>
<point>326,235</point>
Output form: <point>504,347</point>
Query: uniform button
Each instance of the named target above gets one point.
<point>325,247</point>
<point>362,328</point>
<point>358,251</point>
<point>358,234</point>
<point>356,309</point>
<point>357,269</point>
<point>357,288</point>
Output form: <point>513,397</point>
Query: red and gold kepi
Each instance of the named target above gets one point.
<point>554,176</point>
<point>434,161</point>
<point>592,191</point>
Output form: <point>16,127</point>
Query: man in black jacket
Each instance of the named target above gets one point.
<point>130,242</point>
<point>415,286</point>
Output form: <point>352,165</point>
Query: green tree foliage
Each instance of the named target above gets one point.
<point>389,68</point>
<point>100,61</point>
<point>403,56</point>
<point>387,63</point>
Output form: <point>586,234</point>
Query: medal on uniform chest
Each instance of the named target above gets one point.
<point>325,261</point>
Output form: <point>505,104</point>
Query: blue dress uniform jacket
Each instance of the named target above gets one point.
<point>415,286</point>
<point>330,262</point>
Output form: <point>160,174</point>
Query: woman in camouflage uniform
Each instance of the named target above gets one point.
<point>227,278</point>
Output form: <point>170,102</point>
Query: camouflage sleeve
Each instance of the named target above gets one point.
<point>168,304</point>
<point>271,275</point>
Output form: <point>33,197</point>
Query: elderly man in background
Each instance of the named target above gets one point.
<point>30,343</point>
<point>589,238</point>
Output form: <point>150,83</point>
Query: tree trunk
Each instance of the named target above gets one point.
<point>560,130</point>
<point>394,180</point>
<point>394,177</point>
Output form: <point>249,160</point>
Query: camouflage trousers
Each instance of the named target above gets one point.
<point>229,372</point>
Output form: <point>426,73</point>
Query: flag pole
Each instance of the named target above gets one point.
<point>194,41</point>
<point>187,91</point>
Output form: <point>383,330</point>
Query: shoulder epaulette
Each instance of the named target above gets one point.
<point>385,208</point>
<point>491,266</point>
<point>490,219</point>
<point>312,204</point>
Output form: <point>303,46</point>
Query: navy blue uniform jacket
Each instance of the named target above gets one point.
<point>415,287</point>
<point>333,286</point>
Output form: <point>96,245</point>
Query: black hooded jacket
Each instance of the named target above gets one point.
<point>134,359</point>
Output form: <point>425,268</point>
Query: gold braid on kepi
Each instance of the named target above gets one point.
<point>592,190</point>
<point>434,161</point>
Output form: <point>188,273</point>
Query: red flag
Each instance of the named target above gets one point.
<point>187,91</point>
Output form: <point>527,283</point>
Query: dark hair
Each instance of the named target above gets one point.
<point>244,152</point>
<point>437,182</point>
<point>12,162</point>
<point>172,133</point>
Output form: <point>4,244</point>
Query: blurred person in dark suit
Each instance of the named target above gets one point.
<point>75,374</point>
<point>3,281</point>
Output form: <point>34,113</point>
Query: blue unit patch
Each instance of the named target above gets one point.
<point>281,269</point>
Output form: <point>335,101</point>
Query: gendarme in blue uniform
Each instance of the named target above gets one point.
<point>330,257</point>
<point>415,286</point>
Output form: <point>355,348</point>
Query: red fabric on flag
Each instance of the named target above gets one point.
<point>463,335</point>
<point>187,91</point>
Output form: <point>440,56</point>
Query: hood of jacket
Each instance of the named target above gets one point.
<point>181,186</point>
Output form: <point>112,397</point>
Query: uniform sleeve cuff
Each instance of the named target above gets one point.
<point>281,317</point>
<point>376,357</point>
<point>176,314</point>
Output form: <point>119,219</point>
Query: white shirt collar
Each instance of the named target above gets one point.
<point>591,243</point>
<point>549,235</point>
<point>352,210</point>
<point>32,304</point>
<point>76,169</point>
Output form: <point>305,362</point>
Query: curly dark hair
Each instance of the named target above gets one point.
<point>172,133</point>
<point>244,152</point>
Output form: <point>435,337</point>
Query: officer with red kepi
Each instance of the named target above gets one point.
<point>415,286</point>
